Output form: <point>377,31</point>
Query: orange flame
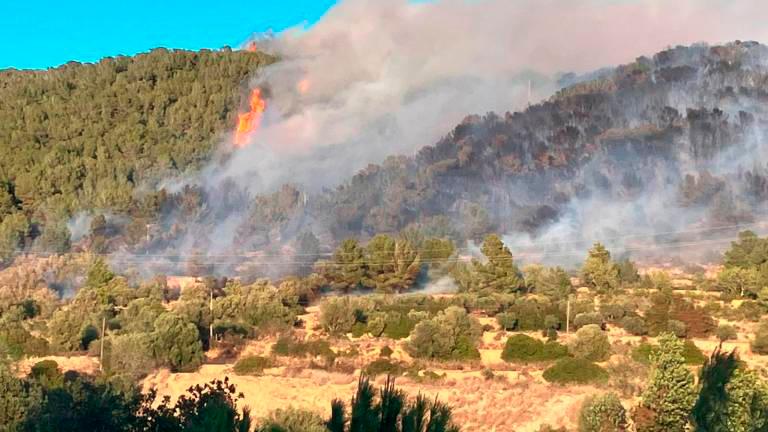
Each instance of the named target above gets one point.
<point>303,86</point>
<point>251,46</point>
<point>249,122</point>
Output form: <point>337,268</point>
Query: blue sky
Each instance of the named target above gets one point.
<point>45,33</point>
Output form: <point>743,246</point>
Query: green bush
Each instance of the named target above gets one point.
<point>590,343</point>
<point>383,366</point>
<point>760,343</point>
<point>691,353</point>
<point>725,332</point>
<point>575,371</point>
<point>251,365</point>
<point>451,335</point>
<point>287,346</point>
<point>292,420</point>
<point>507,320</point>
<point>678,328</point>
<point>386,351</point>
<point>603,414</point>
<point>634,325</point>
<point>398,326</point>
<point>588,318</point>
<point>521,348</point>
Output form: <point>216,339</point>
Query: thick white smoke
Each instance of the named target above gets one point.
<point>375,78</point>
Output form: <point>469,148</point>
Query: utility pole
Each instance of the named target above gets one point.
<point>568,316</point>
<point>101,342</point>
<point>210,327</point>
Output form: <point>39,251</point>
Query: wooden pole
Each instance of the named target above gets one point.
<point>568,316</point>
<point>101,343</point>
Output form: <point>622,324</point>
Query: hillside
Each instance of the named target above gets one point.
<point>663,144</point>
<point>668,143</point>
<point>86,136</point>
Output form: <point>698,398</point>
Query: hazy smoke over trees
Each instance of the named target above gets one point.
<point>378,78</point>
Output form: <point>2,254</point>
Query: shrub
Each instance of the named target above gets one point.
<point>507,320</point>
<point>287,346</point>
<point>575,371</point>
<point>692,355</point>
<point>726,332</point>
<point>613,311</point>
<point>251,365</point>
<point>590,343</point>
<point>522,348</point>
<point>678,328</point>
<point>634,325</point>
<point>383,366</point>
<point>339,314</point>
<point>292,420</point>
<point>698,322</point>
<point>588,318</point>
<point>386,351</point>
<point>398,326</point>
<point>176,343</point>
<point>451,335</point>
<point>603,414</point>
<point>760,343</point>
<point>751,311</point>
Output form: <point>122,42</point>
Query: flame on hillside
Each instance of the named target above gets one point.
<point>249,122</point>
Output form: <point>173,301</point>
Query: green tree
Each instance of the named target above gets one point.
<point>671,394</point>
<point>176,343</point>
<point>737,281</point>
<point>599,272</point>
<point>499,273</point>
<point>392,265</point>
<point>552,282</point>
<point>346,270</point>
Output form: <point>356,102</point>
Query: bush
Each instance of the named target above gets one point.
<point>634,325</point>
<point>698,321</point>
<point>383,366</point>
<point>691,353</point>
<point>451,335</point>
<point>339,314</point>
<point>588,318</point>
<point>507,320</point>
<point>603,414</point>
<point>678,328</point>
<point>575,371</point>
<point>725,332</point>
<point>398,326</point>
<point>251,365</point>
<point>287,346</point>
<point>292,420</point>
<point>523,349</point>
<point>590,343</point>
<point>386,351</point>
<point>760,344</point>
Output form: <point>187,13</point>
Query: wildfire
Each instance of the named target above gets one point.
<point>251,46</point>
<point>303,86</point>
<point>249,122</point>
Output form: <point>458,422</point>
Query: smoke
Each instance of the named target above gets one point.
<point>375,78</point>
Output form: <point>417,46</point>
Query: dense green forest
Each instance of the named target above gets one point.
<point>86,136</point>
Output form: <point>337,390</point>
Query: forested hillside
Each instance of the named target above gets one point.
<point>85,136</point>
<point>667,143</point>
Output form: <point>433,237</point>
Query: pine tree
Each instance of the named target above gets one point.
<point>599,272</point>
<point>670,395</point>
<point>499,272</point>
